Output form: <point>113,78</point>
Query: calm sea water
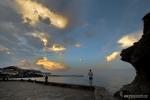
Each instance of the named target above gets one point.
<point>112,80</point>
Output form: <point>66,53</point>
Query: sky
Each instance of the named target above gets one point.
<point>69,35</point>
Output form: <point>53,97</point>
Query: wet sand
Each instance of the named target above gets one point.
<point>33,91</point>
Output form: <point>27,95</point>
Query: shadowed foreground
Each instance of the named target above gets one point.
<point>32,91</point>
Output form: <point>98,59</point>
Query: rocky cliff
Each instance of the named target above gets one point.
<point>139,56</point>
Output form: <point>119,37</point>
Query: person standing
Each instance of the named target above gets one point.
<point>46,78</point>
<point>90,74</point>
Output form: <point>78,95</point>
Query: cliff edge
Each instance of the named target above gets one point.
<point>139,56</point>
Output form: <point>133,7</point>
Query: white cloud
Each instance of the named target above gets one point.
<point>112,56</point>
<point>124,42</point>
<point>44,37</point>
<point>55,48</point>
<point>4,49</point>
<point>42,64</point>
<point>78,45</point>
<point>33,12</point>
<point>129,40</point>
<point>51,65</point>
<point>26,64</point>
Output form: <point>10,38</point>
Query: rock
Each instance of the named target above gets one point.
<point>138,55</point>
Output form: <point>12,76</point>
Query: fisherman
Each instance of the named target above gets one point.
<point>90,74</point>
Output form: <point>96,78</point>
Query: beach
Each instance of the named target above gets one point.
<point>17,90</point>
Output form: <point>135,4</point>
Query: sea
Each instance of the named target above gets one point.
<point>112,80</point>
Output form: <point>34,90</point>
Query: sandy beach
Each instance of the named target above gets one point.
<point>32,91</point>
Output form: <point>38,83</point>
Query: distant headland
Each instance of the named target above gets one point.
<point>16,72</point>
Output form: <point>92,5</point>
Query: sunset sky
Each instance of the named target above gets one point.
<point>63,35</point>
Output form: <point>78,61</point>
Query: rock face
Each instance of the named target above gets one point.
<point>139,56</point>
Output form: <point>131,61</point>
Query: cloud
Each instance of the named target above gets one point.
<point>44,38</point>
<point>26,64</point>
<point>4,49</point>
<point>78,45</point>
<point>124,42</point>
<point>8,26</point>
<point>33,12</point>
<point>112,56</point>
<point>129,40</point>
<point>51,65</point>
<point>56,48</point>
<point>42,64</point>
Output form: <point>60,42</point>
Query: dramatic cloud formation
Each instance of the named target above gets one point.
<point>112,56</point>
<point>124,42</point>
<point>65,30</point>
<point>42,64</point>
<point>33,12</point>
<point>129,40</point>
<point>51,65</point>
<point>26,64</point>
<point>44,38</point>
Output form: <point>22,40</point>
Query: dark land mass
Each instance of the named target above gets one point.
<point>15,72</point>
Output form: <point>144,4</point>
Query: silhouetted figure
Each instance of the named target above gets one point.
<point>4,78</point>
<point>7,77</point>
<point>90,74</point>
<point>46,79</point>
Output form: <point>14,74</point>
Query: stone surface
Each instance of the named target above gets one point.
<point>34,91</point>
